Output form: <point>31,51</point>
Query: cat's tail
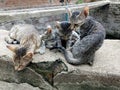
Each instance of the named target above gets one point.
<point>69,57</point>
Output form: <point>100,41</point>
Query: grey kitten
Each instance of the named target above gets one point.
<point>92,37</point>
<point>67,36</point>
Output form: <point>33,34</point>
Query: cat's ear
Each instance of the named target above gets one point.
<point>57,23</point>
<point>84,13</point>
<point>49,29</point>
<point>28,55</point>
<point>12,48</point>
<point>69,12</point>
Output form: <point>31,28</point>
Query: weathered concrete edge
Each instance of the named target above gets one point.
<point>114,2</point>
<point>41,12</point>
<point>105,79</point>
<point>28,75</point>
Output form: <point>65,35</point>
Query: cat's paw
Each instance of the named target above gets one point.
<point>8,40</point>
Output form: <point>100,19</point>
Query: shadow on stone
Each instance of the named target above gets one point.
<point>32,73</point>
<point>49,69</point>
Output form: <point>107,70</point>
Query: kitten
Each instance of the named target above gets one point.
<point>67,36</point>
<point>29,40</point>
<point>91,39</point>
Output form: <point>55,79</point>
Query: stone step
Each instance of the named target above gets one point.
<point>104,72</point>
<point>14,86</point>
<point>20,14</point>
<point>103,75</point>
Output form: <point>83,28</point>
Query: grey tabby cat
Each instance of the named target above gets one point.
<point>92,37</point>
<point>66,35</point>
<point>49,37</point>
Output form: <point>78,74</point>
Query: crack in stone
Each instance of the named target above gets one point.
<point>34,74</point>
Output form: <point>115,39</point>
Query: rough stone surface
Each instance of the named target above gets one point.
<point>14,86</point>
<point>103,75</point>
<point>8,74</point>
<point>115,0</point>
<point>39,23</point>
<point>109,16</point>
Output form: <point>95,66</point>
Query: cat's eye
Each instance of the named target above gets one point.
<point>57,27</point>
<point>76,25</point>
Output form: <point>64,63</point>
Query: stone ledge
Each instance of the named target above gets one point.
<point>14,86</point>
<point>115,2</point>
<point>104,72</point>
<point>41,12</point>
<point>28,75</point>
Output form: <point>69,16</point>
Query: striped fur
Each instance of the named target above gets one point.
<point>29,40</point>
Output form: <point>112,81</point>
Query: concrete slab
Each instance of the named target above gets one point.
<point>14,86</point>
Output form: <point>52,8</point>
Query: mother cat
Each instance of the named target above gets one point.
<point>91,39</point>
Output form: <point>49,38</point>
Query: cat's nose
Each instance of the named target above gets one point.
<point>21,67</point>
<point>16,67</point>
